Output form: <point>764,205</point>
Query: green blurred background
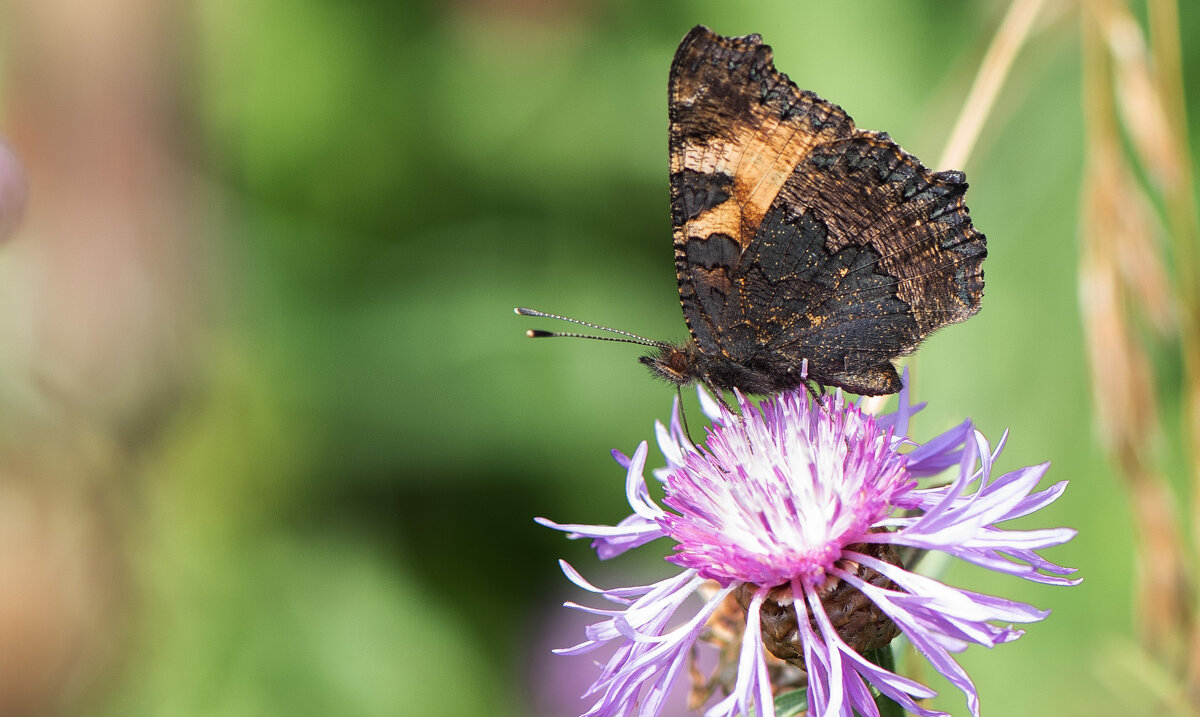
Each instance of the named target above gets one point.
<point>294,469</point>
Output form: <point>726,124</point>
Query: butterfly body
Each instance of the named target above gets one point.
<point>686,364</point>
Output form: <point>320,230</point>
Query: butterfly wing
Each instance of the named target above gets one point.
<point>800,237</point>
<point>738,129</point>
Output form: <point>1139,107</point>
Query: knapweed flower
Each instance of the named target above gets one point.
<point>796,508</point>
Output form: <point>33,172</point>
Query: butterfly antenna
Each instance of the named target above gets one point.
<point>631,338</point>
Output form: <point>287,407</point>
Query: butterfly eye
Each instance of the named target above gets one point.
<point>672,364</point>
<point>679,362</point>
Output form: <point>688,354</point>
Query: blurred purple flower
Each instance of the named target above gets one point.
<point>790,499</point>
<point>14,190</point>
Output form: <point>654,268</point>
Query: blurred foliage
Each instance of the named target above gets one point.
<point>340,519</point>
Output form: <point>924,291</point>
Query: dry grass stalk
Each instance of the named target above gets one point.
<point>1124,284</point>
<point>1184,223</point>
<point>993,71</point>
<point>1143,111</point>
<point>1178,196</point>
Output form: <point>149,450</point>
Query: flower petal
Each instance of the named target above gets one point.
<point>775,496</point>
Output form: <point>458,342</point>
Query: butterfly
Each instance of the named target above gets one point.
<point>807,251</point>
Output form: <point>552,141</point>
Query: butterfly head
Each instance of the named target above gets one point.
<point>675,364</point>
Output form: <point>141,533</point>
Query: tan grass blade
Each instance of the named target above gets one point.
<point>993,71</point>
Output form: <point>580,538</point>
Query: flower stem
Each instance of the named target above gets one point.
<point>885,658</point>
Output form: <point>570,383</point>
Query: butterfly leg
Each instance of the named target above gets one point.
<point>683,415</point>
<point>816,390</point>
<point>720,396</point>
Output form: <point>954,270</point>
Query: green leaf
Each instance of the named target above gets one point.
<point>790,704</point>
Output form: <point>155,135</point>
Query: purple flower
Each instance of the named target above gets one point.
<point>796,508</point>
